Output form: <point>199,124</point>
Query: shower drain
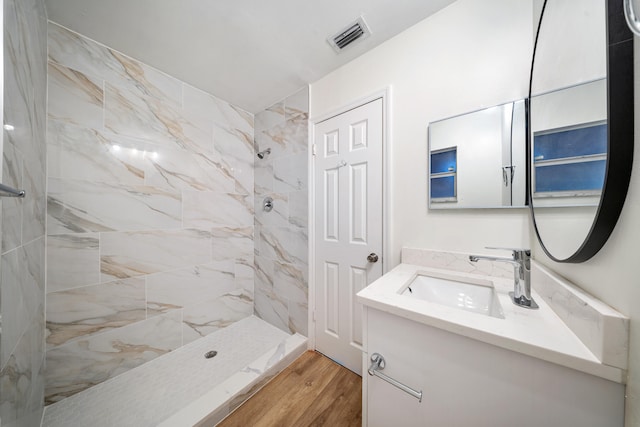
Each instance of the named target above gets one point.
<point>210,354</point>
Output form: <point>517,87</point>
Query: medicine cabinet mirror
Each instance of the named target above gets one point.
<point>478,159</point>
<point>580,125</point>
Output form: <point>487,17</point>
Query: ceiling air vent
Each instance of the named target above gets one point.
<point>357,30</point>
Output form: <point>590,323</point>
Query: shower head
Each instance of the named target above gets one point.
<point>263,153</point>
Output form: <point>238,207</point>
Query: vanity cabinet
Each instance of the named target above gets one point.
<point>466,382</point>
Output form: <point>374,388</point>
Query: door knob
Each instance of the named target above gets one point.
<point>372,257</point>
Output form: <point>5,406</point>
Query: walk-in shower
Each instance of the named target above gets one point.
<point>183,388</point>
<point>123,267</point>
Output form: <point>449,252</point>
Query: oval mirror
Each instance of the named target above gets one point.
<point>580,138</point>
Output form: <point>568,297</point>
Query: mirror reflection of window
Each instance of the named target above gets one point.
<point>569,145</point>
<point>443,175</point>
<point>570,162</point>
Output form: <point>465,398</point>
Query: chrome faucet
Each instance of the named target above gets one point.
<point>521,261</point>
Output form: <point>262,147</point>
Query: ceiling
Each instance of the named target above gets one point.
<point>251,53</point>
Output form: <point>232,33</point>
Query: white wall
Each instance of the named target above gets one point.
<point>471,55</point>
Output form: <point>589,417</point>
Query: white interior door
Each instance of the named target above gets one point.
<point>348,226</point>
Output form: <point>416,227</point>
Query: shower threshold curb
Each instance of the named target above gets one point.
<point>214,406</point>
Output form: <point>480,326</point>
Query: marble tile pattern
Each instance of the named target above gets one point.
<point>150,213</point>
<point>175,388</point>
<point>602,329</point>
<point>22,256</point>
<point>281,242</point>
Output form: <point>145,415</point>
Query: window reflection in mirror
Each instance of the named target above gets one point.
<point>569,145</point>
<point>443,182</point>
<point>570,162</point>
<point>477,160</point>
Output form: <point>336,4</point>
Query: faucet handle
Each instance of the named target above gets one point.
<point>514,250</point>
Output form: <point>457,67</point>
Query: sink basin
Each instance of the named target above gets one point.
<point>475,295</point>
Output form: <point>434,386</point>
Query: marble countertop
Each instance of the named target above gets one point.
<point>538,333</point>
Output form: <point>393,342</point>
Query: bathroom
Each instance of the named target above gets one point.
<point>467,56</point>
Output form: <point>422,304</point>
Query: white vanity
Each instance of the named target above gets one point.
<point>561,365</point>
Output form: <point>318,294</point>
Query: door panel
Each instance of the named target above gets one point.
<point>358,282</point>
<point>348,227</point>
<point>331,203</point>
<point>358,206</point>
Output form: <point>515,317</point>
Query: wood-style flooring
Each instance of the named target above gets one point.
<point>312,391</point>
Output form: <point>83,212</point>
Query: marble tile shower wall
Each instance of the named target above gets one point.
<point>22,264</point>
<point>281,287</point>
<point>150,218</point>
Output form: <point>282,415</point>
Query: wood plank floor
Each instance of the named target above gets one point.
<point>312,391</point>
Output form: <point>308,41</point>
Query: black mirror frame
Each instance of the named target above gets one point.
<point>620,137</point>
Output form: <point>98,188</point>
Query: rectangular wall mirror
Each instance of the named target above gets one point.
<point>477,160</point>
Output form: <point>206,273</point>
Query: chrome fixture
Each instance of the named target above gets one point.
<point>373,257</point>
<point>210,354</point>
<point>267,204</point>
<point>263,153</point>
<point>521,261</point>
<point>6,191</point>
<point>630,16</point>
<point>377,364</point>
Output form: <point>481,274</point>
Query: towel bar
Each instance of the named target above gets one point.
<point>377,364</point>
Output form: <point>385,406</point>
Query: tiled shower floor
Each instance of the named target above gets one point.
<point>180,385</point>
